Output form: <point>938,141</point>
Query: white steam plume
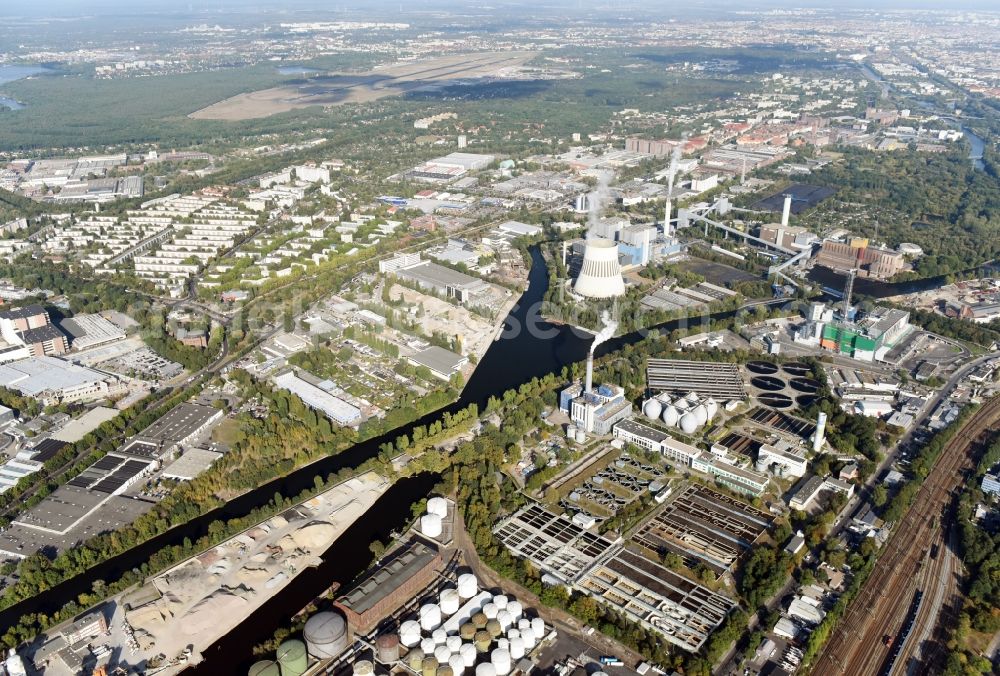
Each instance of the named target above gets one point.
<point>606,333</point>
<point>597,199</point>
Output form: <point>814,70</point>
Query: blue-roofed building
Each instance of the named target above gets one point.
<point>597,411</point>
<point>991,483</point>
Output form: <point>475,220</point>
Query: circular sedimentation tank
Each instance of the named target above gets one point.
<point>292,658</point>
<point>326,635</point>
<point>764,368</point>
<point>805,400</point>
<point>806,385</point>
<point>265,668</point>
<point>797,368</point>
<point>767,383</point>
<point>775,400</point>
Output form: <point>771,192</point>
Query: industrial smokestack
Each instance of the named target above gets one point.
<point>589,383</point>
<point>820,432</point>
<point>786,211</point>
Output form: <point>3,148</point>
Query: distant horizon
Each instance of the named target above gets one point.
<point>71,8</point>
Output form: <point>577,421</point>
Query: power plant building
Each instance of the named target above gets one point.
<point>386,589</point>
<point>869,261</point>
<point>596,411</point>
<point>868,339</point>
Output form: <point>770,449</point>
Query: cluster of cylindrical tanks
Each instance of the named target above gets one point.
<point>326,636</point>
<point>486,632</point>
<point>687,413</point>
<point>574,433</point>
<point>485,636</point>
<point>432,523</point>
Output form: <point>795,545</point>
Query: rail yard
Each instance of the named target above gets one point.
<point>866,639</point>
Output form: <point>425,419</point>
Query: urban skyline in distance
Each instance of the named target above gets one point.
<point>445,338</point>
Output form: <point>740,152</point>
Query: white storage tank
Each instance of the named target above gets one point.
<point>442,654</point>
<point>438,505</point>
<point>581,437</point>
<point>571,431</point>
<point>430,617</point>
<point>692,397</point>
<point>516,648</point>
<point>682,405</point>
<point>468,653</point>
<point>468,586</point>
<point>652,409</point>
<point>439,636</point>
<point>500,659</point>
<point>430,525</point>
<point>505,620</point>
<point>326,635</point>
<point>457,664</point>
<point>515,610</point>
<point>485,669</point>
<point>538,626</point>
<point>409,633</point>
<point>428,645</point>
<point>500,601</point>
<point>490,610</point>
<point>529,638</point>
<point>450,602</point>
<point>454,643</point>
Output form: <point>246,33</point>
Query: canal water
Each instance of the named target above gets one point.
<point>12,73</point>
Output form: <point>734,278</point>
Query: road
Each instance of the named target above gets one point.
<point>856,647</point>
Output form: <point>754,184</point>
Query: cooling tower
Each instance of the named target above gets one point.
<point>600,275</point>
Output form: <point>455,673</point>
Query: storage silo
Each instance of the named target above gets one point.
<point>437,506</point>
<point>387,648</point>
<point>428,645</point>
<point>415,658</point>
<point>439,635</point>
<point>581,437</point>
<point>454,643</point>
<point>430,616</point>
<point>457,664</point>
<point>409,633</point>
<point>494,628</point>
<point>468,586</point>
<point>430,525</point>
<point>429,666</point>
<point>501,601</point>
<point>538,626</point>
<point>292,658</point>
<point>483,640</point>
<point>363,668</point>
<point>571,432</point>
<point>515,609</point>
<point>442,654</point>
<point>516,648</point>
<point>490,610</point>
<point>450,602</point>
<point>485,669</point>
<point>500,659</point>
<point>265,668</point>
<point>445,670</point>
<point>468,653</point>
<point>326,635</point>
<point>529,639</point>
<point>505,620</point>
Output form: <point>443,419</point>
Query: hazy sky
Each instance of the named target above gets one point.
<point>40,8</point>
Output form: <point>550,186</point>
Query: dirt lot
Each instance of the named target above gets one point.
<point>339,88</point>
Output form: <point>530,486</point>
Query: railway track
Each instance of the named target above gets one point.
<point>880,608</point>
